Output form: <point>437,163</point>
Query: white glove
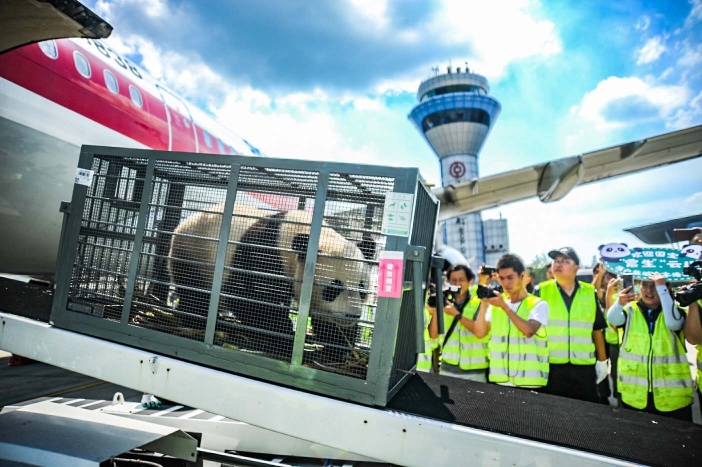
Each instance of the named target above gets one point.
<point>601,370</point>
<point>149,401</point>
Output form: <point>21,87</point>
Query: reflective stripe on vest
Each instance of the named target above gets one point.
<point>652,363</point>
<point>699,358</point>
<point>515,358</point>
<point>463,349</point>
<point>424,359</point>
<point>570,333</point>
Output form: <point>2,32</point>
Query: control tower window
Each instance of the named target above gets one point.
<point>49,48</point>
<point>82,64</point>
<point>453,88</point>
<point>455,115</point>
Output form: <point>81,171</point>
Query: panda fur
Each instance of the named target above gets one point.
<point>262,242</point>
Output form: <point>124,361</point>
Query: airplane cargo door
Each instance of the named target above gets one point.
<point>181,134</point>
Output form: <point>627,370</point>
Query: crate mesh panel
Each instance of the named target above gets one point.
<point>259,300</point>
<point>344,294</point>
<point>188,274</point>
<point>106,238</point>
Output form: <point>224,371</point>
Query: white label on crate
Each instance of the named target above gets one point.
<point>84,177</point>
<point>397,216</point>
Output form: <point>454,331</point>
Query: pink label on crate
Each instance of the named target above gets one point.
<point>390,274</point>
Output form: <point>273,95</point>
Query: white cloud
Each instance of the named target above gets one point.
<point>497,33</point>
<point>695,13</point>
<point>692,56</point>
<point>668,71</point>
<point>614,102</point>
<point>155,8</point>
<point>643,23</point>
<point>688,116</point>
<point>651,51</point>
<point>494,34</point>
<point>372,12</point>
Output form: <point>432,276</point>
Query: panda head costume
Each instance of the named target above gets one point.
<point>264,269</point>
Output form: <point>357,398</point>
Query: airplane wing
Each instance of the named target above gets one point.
<point>26,21</point>
<point>554,180</point>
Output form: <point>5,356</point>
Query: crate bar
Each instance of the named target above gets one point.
<point>221,253</point>
<point>136,251</point>
<point>290,164</point>
<point>310,267</point>
<point>67,256</point>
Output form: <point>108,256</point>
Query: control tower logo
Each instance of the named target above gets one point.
<point>457,169</point>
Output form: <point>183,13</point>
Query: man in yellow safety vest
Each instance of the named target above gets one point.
<point>654,374</point>
<point>576,343</point>
<point>463,355</point>
<point>517,322</point>
<point>693,334</point>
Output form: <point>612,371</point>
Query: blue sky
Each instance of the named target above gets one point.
<point>336,79</point>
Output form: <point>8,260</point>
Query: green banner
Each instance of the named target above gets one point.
<point>620,259</point>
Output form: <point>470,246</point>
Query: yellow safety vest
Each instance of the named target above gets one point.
<point>463,348</point>
<point>515,358</point>
<point>652,363</point>
<point>424,359</point>
<point>570,333</point>
<point>699,359</point>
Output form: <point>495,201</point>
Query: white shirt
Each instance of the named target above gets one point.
<point>538,313</point>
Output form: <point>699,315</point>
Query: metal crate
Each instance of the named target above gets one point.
<point>263,267</point>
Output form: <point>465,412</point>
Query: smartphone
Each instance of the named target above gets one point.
<point>628,281</point>
<point>489,271</point>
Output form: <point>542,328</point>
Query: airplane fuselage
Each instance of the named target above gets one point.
<point>55,97</point>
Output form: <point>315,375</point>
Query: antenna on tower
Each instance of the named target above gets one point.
<point>467,69</point>
<point>435,70</point>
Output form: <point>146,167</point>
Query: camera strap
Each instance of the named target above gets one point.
<point>454,323</point>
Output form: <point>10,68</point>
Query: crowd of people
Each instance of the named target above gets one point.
<point>565,337</point>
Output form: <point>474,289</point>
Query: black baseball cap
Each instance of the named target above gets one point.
<point>566,251</point>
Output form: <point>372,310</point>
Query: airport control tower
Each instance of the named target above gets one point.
<point>455,114</point>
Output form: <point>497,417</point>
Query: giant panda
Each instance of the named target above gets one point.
<point>265,271</point>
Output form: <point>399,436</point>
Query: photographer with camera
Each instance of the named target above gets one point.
<point>576,342</point>
<point>463,355</point>
<point>517,322</point>
<point>693,322</point>
<point>654,374</point>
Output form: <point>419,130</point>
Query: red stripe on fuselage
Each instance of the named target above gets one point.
<point>58,80</point>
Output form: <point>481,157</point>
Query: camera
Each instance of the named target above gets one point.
<point>693,292</point>
<point>487,270</point>
<point>449,293</point>
<point>488,292</point>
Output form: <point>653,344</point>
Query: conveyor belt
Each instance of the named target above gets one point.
<point>600,429</point>
<point>584,426</point>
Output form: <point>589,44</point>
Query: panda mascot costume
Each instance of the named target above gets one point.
<point>263,274</point>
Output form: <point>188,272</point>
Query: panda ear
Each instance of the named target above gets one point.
<point>600,247</point>
<point>299,244</point>
<point>367,247</point>
<point>625,245</point>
